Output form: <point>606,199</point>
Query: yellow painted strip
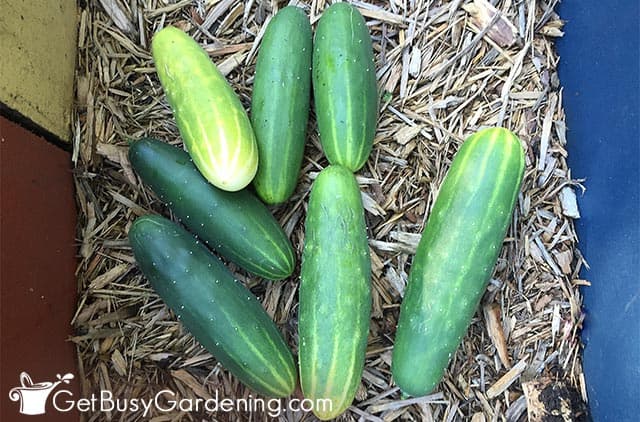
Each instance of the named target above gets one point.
<point>38,50</point>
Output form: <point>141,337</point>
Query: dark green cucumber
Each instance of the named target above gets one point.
<point>236,224</point>
<point>213,124</point>
<point>280,103</point>
<point>217,309</point>
<point>335,292</point>
<point>456,256</point>
<point>344,86</point>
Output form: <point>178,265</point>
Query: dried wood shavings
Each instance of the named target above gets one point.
<point>445,69</point>
<point>503,31</point>
<point>553,29</point>
<point>507,379</point>
<point>494,328</point>
<point>119,17</point>
<point>569,203</point>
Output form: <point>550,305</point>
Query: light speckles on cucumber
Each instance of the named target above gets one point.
<point>236,329</point>
<point>335,297</point>
<point>280,103</point>
<point>345,92</point>
<point>236,224</point>
<point>455,256</point>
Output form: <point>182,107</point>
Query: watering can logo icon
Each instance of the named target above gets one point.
<point>33,397</point>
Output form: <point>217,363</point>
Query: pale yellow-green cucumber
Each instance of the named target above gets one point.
<point>213,124</point>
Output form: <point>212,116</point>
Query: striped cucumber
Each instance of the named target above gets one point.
<point>236,224</point>
<point>456,255</point>
<point>214,127</point>
<point>280,103</point>
<point>335,292</point>
<point>344,86</point>
<point>219,311</point>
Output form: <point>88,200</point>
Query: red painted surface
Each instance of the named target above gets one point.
<point>37,266</point>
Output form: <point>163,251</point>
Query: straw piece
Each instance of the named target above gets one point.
<point>494,328</point>
<point>569,202</point>
<point>431,398</point>
<point>546,130</point>
<point>507,379</point>
<point>482,12</point>
<point>192,383</point>
<point>119,17</point>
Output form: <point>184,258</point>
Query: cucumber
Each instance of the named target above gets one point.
<point>280,103</point>
<point>335,292</point>
<point>456,256</point>
<point>214,127</point>
<point>215,308</point>
<point>344,86</point>
<point>236,224</point>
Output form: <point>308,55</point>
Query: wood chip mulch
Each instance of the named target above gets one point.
<point>445,69</point>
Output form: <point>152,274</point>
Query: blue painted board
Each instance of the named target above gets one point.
<point>599,70</point>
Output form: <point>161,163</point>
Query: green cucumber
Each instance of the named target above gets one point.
<point>214,127</point>
<point>215,308</point>
<point>280,103</point>
<point>236,224</point>
<point>456,256</point>
<point>335,292</point>
<point>344,86</point>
